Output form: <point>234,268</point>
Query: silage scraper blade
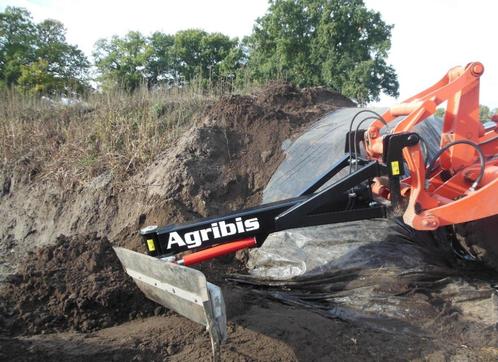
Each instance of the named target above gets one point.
<point>182,289</point>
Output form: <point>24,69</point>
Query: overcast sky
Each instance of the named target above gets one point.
<point>428,38</point>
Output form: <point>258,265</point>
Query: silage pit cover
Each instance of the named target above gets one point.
<point>377,272</point>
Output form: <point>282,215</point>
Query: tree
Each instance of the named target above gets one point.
<point>66,64</point>
<point>35,78</point>
<point>198,54</point>
<point>485,113</point>
<point>338,43</point>
<point>159,65</point>
<point>122,62</point>
<point>17,43</point>
<point>135,59</point>
<point>27,50</point>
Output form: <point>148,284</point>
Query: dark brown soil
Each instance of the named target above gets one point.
<point>255,128</point>
<point>76,284</point>
<point>260,330</point>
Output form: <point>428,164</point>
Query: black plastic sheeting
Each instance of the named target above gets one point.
<point>377,272</point>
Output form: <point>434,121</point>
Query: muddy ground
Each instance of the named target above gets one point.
<point>64,296</point>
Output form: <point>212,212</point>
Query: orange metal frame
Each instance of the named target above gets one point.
<point>433,203</point>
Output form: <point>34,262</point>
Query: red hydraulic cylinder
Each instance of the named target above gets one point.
<point>215,251</point>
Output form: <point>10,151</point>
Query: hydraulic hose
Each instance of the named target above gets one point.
<point>482,160</point>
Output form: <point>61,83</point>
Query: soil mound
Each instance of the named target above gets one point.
<point>225,161</point>
<point>221,163</point>
<point>255,128</point>
<point>76,284</point>
<point>286,97</point>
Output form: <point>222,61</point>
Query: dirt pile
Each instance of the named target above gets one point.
<point>222,163</point>
<point>225,162</point>
<point>76,284</point>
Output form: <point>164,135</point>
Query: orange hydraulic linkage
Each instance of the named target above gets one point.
<point>461,185</point>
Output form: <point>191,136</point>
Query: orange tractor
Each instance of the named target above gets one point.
<point>388,174</point>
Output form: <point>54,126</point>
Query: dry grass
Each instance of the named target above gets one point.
<point>117,132</point>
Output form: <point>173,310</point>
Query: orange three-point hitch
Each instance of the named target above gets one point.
<point>464,184</point>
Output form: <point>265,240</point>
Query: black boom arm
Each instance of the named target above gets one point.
<point>345,200</point>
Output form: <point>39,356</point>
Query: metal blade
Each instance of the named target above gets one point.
<point>182,289</point>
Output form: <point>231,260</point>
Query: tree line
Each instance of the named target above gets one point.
<point>340,44</point>
<point>36,58</point>
<point>163,59</point>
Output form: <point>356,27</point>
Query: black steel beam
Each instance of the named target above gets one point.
<point>327,196</point>
<point>324,207</point>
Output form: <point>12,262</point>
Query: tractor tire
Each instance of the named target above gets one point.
<point>480,239</point>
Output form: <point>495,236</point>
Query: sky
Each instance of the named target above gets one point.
<point>429,36</point>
